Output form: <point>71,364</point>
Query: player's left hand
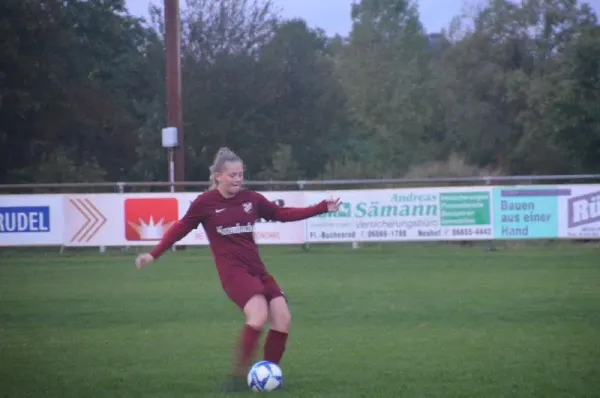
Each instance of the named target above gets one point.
<point>143,259</point>
<point>333,205</point>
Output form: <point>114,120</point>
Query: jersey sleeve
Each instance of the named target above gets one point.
<point>271,212</point>
<point>193,217</point>
<point>196,213</point>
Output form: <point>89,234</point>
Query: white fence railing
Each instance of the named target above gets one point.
<point>123,187</point>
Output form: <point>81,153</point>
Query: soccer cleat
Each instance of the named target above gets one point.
<point>234,384</point>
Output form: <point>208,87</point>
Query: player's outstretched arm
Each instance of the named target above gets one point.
<point>178,231</point>
<point>270,211</point>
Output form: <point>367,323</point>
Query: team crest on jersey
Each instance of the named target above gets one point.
<point>247,207</point>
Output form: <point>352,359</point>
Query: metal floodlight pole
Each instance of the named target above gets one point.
<point>173,89</point>
<point>172,168</point>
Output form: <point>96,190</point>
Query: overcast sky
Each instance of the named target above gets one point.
<point>334,15</point>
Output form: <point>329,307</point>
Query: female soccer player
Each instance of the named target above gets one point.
<point>228,213</point>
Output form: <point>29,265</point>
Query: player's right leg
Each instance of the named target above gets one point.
<point>256,311</point>
<point>247,293</point>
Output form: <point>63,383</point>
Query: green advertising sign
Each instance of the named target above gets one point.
<point>465,208</point>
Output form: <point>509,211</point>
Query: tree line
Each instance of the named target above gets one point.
<point>507,88</point>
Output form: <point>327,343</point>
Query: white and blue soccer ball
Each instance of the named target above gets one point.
<point>265,376</point>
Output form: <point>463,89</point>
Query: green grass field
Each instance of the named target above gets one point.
<point>391,321</point>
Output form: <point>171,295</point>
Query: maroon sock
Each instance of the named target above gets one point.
<point>275,345</point>
<point>246,346</point>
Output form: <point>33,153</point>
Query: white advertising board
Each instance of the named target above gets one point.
<point>425,214</point>
<point>31,220</point>
<point>580,210</point>
<point>142,219</point>
<point>383,215</point>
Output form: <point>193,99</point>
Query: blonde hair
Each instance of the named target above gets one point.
<point>224,155</point>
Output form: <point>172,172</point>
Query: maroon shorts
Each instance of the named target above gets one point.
<point>240,286</point>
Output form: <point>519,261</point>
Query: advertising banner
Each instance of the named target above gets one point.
<point>527,212</point>
<point>31,220</point>
<point>148,216</point>
<point>404,214</point>
<point>143,219</point>
<point>382,215</point>
<point>94,220</point>
<point>580,207</point>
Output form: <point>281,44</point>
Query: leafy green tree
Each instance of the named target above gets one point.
<point>500,85</point>
<point>306,103</point>
<point>73,83</point>
<point>384,71</point>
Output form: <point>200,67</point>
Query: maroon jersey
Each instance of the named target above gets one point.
<point>229,225</point>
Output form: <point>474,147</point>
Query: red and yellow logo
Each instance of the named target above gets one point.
<point>150,218</point>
